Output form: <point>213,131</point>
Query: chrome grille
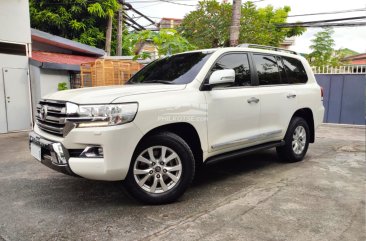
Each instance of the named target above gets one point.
<point>51,116</point>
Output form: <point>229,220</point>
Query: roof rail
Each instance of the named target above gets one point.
<point>258,46</point>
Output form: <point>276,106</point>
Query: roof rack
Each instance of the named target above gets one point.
<point>258,46</point>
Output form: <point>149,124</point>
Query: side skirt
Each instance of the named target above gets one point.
<point>243,152</point>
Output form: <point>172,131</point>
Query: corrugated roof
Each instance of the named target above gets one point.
<point>48,57</point>
<point>58,41</point>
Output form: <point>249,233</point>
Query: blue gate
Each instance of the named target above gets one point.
<point>344,98</point>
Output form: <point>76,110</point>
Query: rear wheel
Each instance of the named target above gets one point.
<point>296,141</point>
<point>161,169</point>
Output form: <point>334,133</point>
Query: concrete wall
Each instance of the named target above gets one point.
<point>14,21</point>
<point>8,61</point>
<point>50,80</point>
<point>45,81</point>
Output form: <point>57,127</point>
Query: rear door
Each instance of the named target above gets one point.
<point>277,97</point>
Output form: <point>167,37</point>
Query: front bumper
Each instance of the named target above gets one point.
<point>118,143</point>
<point>53,154</point>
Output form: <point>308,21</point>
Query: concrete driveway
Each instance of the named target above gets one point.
<point>254,198</point>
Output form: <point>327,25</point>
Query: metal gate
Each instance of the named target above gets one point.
<point>344,98</point>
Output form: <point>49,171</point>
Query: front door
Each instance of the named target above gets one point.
<point>233,109</point>
<point>17,99</point>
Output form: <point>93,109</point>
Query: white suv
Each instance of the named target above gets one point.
<point>178,113</point>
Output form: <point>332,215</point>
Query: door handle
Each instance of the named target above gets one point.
<point>290,96</point>
<point>253,99</point>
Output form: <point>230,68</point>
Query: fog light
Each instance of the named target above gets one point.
<point>92,152</point>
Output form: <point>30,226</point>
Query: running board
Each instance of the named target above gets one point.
<point>243,152</point>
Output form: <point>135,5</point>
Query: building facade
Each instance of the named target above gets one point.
<point>15,49</point>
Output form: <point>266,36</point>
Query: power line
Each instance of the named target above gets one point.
<point>319,22</point>
<point>333,12</point>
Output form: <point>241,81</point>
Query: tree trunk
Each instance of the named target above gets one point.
<point>108,36</point>
<point>120,31</point>
<point>235,23</point>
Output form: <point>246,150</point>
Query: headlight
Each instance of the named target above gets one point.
<point>101,115</point>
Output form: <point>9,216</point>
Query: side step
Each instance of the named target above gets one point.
<point>243,152</point>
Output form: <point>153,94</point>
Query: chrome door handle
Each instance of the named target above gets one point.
<point>253,99</point>
<point>289,96</point>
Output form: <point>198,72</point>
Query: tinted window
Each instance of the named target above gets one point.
<point>176,69</point>
<point>295,70</point>
<point>281,68</point>
<point>267,69</point>
<point>239,63</point>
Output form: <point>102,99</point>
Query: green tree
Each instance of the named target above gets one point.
<point>208,26</point>
<point>322,48</point>
<point>80,20</point>
<point>166,41</point>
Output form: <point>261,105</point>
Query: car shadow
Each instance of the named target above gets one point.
<point>64,192</point>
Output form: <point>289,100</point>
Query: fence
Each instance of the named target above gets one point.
<point>104,72</point>
<point>346,69</point>
<point>344,97</point>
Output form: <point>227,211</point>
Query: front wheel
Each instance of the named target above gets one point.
<point>161,169</point>
<point>296,141</point>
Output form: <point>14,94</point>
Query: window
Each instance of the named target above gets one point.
<point>267,69</point>
<point>176,69</point>
<point>10,48</point>
<point>295,71</point>
<point>281,68</point>
<point>239,63</point>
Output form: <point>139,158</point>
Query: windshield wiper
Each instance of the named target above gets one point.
<point>158,81</point>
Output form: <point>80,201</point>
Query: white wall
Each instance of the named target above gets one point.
<point>14,21</point>
<point>8,61</point>
<point>49,80</point>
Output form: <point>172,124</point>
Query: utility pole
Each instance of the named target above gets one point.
<point>108,37</point>
<point>120,30</point>
<point>235,23</point>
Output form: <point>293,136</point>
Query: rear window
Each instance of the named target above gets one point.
<point>295,71</point>
<point>267,69</point>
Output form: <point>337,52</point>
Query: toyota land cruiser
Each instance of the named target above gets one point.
<point>177,113</point>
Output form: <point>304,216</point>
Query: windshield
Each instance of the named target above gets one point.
<point>176,69</point>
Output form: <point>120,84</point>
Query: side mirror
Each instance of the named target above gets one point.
<point>222,76</point>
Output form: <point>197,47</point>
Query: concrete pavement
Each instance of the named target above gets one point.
<point>254,198</point>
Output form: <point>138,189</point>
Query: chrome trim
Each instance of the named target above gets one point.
<point>59,155</point>
<point>245,140</point>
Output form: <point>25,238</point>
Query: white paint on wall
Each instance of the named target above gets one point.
<point>8,61</point>
<point>15,21</point>
<point>49,80</point>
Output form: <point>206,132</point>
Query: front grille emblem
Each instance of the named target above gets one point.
<point>43,113</point>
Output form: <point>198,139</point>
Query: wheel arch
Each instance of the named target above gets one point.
<point>186,131</point>
<point>307,115</point>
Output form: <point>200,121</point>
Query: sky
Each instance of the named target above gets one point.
<point>345,37</point>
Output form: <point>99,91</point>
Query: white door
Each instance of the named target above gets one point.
<point>17,99</point>
<point>278,98</point>
<point>233,109</point>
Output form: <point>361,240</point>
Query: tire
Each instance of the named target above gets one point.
<point>297,140</point>
<point>165,182</point>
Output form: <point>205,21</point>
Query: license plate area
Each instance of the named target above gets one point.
<point>36,151</point>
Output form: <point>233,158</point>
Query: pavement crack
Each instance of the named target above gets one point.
<point>227,201</point>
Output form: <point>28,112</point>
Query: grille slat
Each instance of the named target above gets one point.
<point>51,116</point>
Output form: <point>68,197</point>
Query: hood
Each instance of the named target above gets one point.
<point>107,94</point>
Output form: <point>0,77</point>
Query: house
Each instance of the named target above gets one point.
<point>358,59</point>
<point>169,23</point>
<point>32,63</point>
<point>15,49</point>
<point>56,60</point>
